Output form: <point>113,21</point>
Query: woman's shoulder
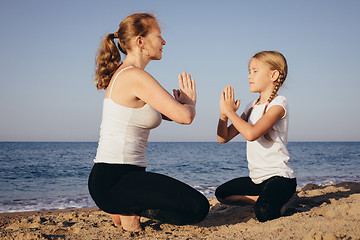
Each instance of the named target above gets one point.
<point>134,75</point>
<point>131,70</point>
<point>137,73</point>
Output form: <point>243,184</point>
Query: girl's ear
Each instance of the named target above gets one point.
<point>274,75</point>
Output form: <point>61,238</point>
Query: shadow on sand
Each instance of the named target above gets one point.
<point>303,200</point>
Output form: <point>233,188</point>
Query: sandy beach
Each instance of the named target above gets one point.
<point>315,212</point>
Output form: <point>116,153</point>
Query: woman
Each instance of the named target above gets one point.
<point>135,103</point>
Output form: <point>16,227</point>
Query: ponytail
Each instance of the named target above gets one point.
<point>108,57</point>
<point>107,62</point>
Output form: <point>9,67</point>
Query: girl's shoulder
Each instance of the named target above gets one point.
<point>279,100</point>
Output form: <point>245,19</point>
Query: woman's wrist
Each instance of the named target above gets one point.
<point>190,103</point>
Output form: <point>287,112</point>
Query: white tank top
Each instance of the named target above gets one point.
<point>124,132</point>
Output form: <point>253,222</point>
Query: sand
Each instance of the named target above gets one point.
<point>315,212</point>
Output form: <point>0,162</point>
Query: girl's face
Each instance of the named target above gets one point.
<point>154,43</point>
<point>259,76</point>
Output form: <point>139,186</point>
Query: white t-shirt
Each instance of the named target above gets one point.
<point>267,159</point>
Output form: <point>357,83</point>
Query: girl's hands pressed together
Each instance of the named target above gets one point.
<point>227,101</point>
<point>187,92</point>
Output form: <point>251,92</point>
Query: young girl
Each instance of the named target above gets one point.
<point>264,124</point>
<point>134,104</point>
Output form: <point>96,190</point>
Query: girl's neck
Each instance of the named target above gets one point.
<point>264,98</point>
<point>265,94</point>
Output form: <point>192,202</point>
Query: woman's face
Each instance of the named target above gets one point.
<point>153,43</point>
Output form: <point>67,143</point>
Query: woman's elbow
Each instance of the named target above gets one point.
<point>186,118</point>
<point>184,115</point>
<point>187,121</point>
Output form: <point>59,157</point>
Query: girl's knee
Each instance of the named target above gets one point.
<point>265,211</point>
<point>219,194</point>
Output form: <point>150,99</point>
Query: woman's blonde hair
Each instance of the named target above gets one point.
<point>275,61</point>
<point>108,56</point>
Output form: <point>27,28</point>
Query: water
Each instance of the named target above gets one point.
<point>38,176</point>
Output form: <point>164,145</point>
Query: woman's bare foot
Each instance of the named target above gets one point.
<point>131,223</point>
<point>116,219</point>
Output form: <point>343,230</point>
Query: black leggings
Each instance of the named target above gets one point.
<point>273,194</point>
<point>126,189</point>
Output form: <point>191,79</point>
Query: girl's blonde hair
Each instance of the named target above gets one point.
<point>108,56</point>
<point>275,61</point>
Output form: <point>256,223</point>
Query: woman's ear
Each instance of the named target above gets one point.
<point>139,41</point>
<point>274,75</point>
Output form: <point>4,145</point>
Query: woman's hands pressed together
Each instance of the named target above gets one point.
<point>187,92</point>
<point>227,102</point>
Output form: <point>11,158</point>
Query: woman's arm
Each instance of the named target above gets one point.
<point>250,132</point>
<point>165,118</point>
<point>180,109</point>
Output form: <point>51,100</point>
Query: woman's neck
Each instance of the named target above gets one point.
<point>136,61</point>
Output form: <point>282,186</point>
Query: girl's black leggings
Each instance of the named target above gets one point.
<point>129,189</point>
<point>273,194</point>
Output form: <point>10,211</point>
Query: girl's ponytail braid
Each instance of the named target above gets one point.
<point>275,61</point>
<point>277,86</point>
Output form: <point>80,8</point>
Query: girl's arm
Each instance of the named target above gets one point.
<point>250,132</point>
<point>180,108</point>
<point>225,133</point>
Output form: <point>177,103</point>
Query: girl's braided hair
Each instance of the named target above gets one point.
<point>275,61</point>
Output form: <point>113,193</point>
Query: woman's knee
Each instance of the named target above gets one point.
<point>200,209</point>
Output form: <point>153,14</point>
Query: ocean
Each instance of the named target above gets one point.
<point>53,175</point>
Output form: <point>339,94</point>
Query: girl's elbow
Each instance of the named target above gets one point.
<point>221,140</point>
<point>250,137</point>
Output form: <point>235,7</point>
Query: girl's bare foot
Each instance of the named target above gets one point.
<point>283,210</point>
<point>116,219</point>
<point>131,223</point>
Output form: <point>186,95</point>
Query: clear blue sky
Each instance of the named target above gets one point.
<point>47,56</point>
